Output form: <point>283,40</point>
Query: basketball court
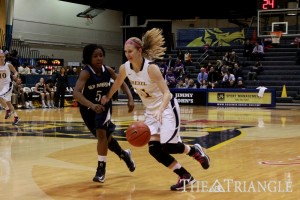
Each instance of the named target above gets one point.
<point>254,155</point>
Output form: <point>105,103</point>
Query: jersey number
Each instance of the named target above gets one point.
<point>143,93</point>
<point>98,96</point>
<point>2,75</point>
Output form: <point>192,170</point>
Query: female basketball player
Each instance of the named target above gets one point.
<point>6,87</point>
<point>92,84</point>
<point>162,109</point>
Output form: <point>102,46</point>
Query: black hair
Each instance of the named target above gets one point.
<point>88,52</point>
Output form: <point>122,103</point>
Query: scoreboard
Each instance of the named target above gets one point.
<point>273,4</point>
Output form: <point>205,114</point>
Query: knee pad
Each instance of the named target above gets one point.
<point>173,148</point>
<point>155,150</point>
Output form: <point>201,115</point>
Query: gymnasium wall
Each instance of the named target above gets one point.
<point>51,26</point>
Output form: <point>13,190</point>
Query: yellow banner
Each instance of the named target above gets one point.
<point>238,98</point>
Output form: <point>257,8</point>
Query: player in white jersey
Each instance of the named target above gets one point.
<point>6,86</point>
<point>162,113</point>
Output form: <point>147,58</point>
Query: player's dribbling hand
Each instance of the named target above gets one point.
<point>130,105</point>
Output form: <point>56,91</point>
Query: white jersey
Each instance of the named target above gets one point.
<point>151,97</point>
<point>5,74</point>
<point>148,90</point>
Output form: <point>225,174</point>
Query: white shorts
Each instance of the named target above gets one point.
<point>6,92</point>
<point>170,126</point>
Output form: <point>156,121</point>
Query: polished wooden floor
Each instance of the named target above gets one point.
<point>255,154</point>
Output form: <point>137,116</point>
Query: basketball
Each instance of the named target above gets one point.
<point>138,134</point>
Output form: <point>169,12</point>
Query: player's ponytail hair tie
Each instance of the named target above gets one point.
<point>3,52</point>
<point>133,42</point>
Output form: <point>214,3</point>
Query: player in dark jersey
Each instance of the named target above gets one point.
<point>92,84</point>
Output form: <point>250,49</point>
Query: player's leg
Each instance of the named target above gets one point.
<point>4,106</point>
<point>5,96</point>
<point>170,136</point>
<point>115,147</point>
<point>14,112</point>
<point>163,157</point>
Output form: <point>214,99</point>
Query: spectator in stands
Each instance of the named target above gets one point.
<point>163,68</point>
<point>255,70</point>
<point>181,84</point>
<point>225,58</point>
<point>233,58</point>
<point>18,94</point>
<point>33,70</point>
<point>178,69</point>
<point>171,79</point>
<point>75,71</point>
<point>50,88</point>
<point>62,82</point>
<point>237,72</point>
<point>258,52</point>
<point>38,70</point>
<point>40,89</point>
<point>228,80</point>
<point>218,67</point>
<point>69,71</point>
<point>180,55</point>
<point>191,84</point>
<point>26,69</point>
<point>202,78</point>
<point>212,78</point>
<point>28,97</point>
<point>240,84</point>
<point>187,58</point>
<point>170,62</point>
<point>248,48</point>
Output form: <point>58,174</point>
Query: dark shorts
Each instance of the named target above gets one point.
<point>95,121</point>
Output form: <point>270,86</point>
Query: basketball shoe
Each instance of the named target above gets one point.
<point>201,157</point>
<point>100,173</point>
<point>16,120</point>
<point>126,156</point>
<point>183,182</point>
<point>8,114</point>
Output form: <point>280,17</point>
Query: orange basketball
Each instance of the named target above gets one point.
<point>138,134</point>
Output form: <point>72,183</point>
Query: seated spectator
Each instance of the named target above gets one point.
<point>38,70</point>
<point>26,69</point>
<point>258,52</point>
<point>40,89</point>
<point>180,55</point>
<point>181,84</point>
<point>237,72</point>
<point>233,58</point>
<point>213,78</point>
<point>50,88</point>
<point>178,69</point>
<point>171,79</point>
<point>202,78</point>
<point>187,58</point>
<point>17,94</point>
<point>240,84</point>
<point>225,58</point>
<point>28,97</point>
<point>255,70</point>
<point>228,80</point>
<point>191,84</point>
<point>163,68</point>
